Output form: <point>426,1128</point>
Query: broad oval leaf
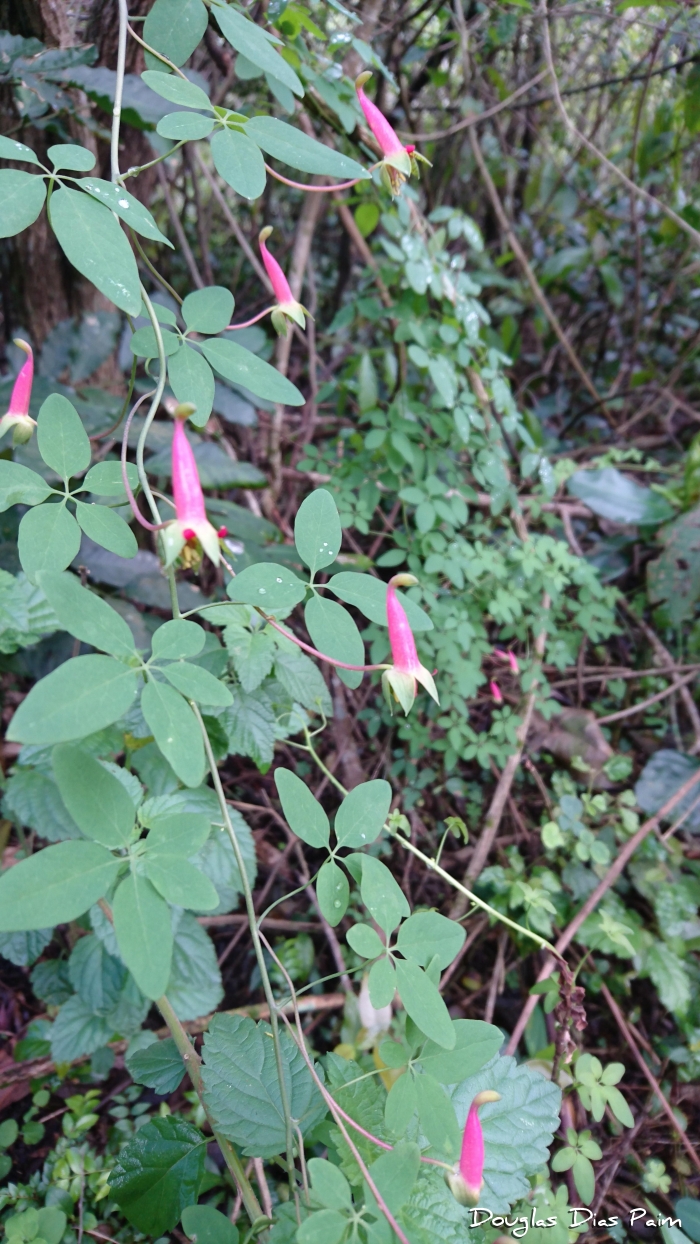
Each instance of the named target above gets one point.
<point>63,442</point>
<point>98,802</point>
<point>330,1187</point>
<point>159,1066</point>
<point>369,596</point>
<point>362,813</point>
<point>365,941</point>
<point>106,528</point>
<point>242,367</point>
<point>143,930</point>
<point>105,479</point>
<point>268,585</point>
<point>126,205</point>
<point>176,90</point>
<point>175,27</point>
<point>10,149</point>
<point>332,892</point>
<point>48,539</point>
<point>179,882</point>
<point>158,1173</point>
<point>185,126</point>
<point>55,885</point>
<point>22,197</point>
<point>620,499</point>
<point>427,933</point>
<point>178,639</point>
<point>294,147</point>
<point>71,156</point>
<point>92,240</point>
<point>256,45</point>
<point>208,1225</point>
<point>304,814</point>
<point>317,531</point>
<point>192,380</point>
<point>85,615</point>
<point>238,160</point>
<point>382,984</point>
<point>82,696</point>
<point>198,684</point>
<point>20,486</point>
<point>476,1043</point>
<point>208,310</point>
<point>381,893</point>
<point>176,731</point>
<point>143,342</point>
<point>335,633</point>
<point>424,1004</point>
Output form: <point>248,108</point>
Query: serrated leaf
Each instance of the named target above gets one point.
<point>242,1090</point>
<point>85,615</point>
<point>97,801</point>
<point>332,892</point>
<point>159,1066</point>
<point>304,814</point>
<point>252,653</point>
<point>251,726</point>
<point>55,885</point>
<point>143,932</point>
<point>82,696</point>
<point>361,815</point>
<point>670,976</point>
<point>92,240</point>
<point>157,1174</point>
<point>22,197</point>
<point>238,160</point>
<point>176,731</point>
<point>23,948</point>
<point>32,799</point>
<point>195,986</point>
<point>303,681</point>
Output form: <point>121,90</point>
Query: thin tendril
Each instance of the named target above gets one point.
<point>125,479</point>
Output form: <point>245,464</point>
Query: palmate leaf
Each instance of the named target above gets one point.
<point>242,1089</point>
<point>518,1129</point>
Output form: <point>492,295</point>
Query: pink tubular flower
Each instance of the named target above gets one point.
<point>496,692</point>
<point>287,308</point>
<point>406,669</point>
<point>398,161</point>
<point>18,417</point>
<point>191,522</point>
<point>508,656</point>
<point>467,1179</point>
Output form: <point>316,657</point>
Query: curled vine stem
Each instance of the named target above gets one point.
<point>125,478</point>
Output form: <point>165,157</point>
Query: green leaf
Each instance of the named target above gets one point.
<point>369,596</point>
<point>619,1107</point>
<point>395,1174</point>
<point>177,640</point>
<point>688,1210</point>
<point>20,486</point>
<point>661,777</point>
<point>92,240</point>
<point>22,197</point>
<point>304,814</point>
<point>584,1178</point>
<point>192,380</point>
<point>159,1066</point>
<point>176,90</point>
<point>242,1089</point>
<point>362,814</point>
<point>208,310</point>
<point>242,367</point>
<point>185,126</point>
<point>326,1226</point>
<point>332,892</point>
<point>157,1174</point>
<point>32,799</point>
<point>104,479</point>
<point>98,802</point>
<point>251,727</point>
<point>255,44</point>
<point>55,885</point>
<point>252,653</point>
<point>207,1225</point>
<point>674,577</point>
<point>239,162</point>
<point>382,984</point>
<point>317,531</point>
<point>401,1104</point>
<point>83,614</point>
<point>518,1129</point>
<point>427,933</point>
<point>381,893</point>
<point>329,1186</point>
<point>10,149</point>
<point>198,684</point>
<point>194,987</point>
<point>424,1004</point>
<point>126,206</point>
<point>669,974</point>
<point>176,731</point>
<point>437,1118</point>
<point>175,27</point>
<point>271,586</point>
<point>179,882</point>
<point>62,439</point>
<point>82,696</point>
<point>143,932</point>
<point>365,941</point>
<point>143,342</point>
<point>48,539</point>
<point>295,148</point>
<point>335,633</point>
<point>620,499</point>
<point>476,1043</point>
<point>106,528</point>
<point>303,681</point>
<point>71,156</point>
<point>180,833</point>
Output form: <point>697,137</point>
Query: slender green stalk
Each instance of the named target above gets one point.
<point>119,88</point>
<point>259,955</point>
<point>153,408</point>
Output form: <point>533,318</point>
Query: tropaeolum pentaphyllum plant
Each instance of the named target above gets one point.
<point>126,742</point>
